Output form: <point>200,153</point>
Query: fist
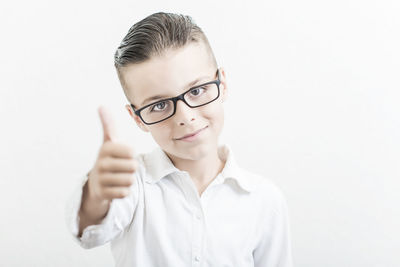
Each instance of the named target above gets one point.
<point>113,172</point>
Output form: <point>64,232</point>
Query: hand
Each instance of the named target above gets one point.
<point>112,174</point>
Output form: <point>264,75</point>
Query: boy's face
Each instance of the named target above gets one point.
<point>170,75</point>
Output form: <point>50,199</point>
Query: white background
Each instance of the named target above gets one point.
<point>314,106</point>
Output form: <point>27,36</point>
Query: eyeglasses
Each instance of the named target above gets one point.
<point>197,96</point>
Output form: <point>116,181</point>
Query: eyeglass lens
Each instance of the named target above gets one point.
<point>165,108</point>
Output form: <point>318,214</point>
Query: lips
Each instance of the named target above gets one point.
<point>191,134</point>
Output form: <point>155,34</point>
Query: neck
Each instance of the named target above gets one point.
<point>202,171</point>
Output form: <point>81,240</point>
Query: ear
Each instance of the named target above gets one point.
<point>136,118</point>
<point>223,86</point>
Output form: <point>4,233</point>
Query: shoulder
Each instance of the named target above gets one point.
<point>260,183</point>
<point>263,189</point>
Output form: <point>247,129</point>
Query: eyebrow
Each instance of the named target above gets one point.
<point>157,97</point>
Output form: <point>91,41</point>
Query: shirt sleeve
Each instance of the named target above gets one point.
<point>119,215</point>
<point>274,249</point>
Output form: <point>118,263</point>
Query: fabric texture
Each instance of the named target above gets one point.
<point>241,219</point>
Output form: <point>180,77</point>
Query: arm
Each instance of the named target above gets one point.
<point>92,211</point>
<point>103,205</point>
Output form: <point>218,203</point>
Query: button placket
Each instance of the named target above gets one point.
<point>198,232</point>
<point>194,200</point>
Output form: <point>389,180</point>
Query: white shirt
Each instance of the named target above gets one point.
<point>240,219</point>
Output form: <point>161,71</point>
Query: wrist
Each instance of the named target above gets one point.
<point>91,203</point>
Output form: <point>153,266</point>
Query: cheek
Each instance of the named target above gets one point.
<point>215,114</point>
<point>160,133</point>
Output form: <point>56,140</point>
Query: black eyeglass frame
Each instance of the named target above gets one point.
<point>179,97</point>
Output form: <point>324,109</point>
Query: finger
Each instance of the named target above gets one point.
<point>117,150</point>
<point>116,192</point>
<point>117,165</point>
<point>117,179</point>
<point>109,129</point>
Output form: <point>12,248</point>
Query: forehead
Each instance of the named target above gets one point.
<point>169,74</point>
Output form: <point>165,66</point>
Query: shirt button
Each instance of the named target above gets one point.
<point>198,216</point>
<point>197,258</point>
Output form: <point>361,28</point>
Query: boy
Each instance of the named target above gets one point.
<point>187,203</point>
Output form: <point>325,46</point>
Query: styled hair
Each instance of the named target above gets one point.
<point>156,33</point>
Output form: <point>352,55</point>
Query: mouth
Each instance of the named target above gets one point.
<point>191,136</point>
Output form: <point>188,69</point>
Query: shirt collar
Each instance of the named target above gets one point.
<point>158,165</point>
<point>232,171</point>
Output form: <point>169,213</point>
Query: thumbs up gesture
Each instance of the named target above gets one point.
<point>112,174</point>
<point>110,178</point>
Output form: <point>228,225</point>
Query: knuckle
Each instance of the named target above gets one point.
<point>102,179</point>
<point>136,164</point>
<point>133,165</point>
<point>126,150</point>
<point>130,151</point>
<point>107,148</point>
<point>104,150</point>
<point>122,193</point>
<point>102,165</point>
<point>129,180</point>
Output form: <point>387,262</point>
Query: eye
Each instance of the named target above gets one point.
<point>197,91</point>
<point>160,106</point>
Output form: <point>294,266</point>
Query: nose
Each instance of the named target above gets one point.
<point>184,114</point>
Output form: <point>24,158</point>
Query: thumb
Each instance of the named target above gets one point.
<point>109,129</point>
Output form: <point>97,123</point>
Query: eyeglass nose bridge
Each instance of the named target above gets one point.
<point>180,97</point>
<point>175,101</point>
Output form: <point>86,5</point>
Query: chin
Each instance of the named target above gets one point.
<point>196,152</point>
